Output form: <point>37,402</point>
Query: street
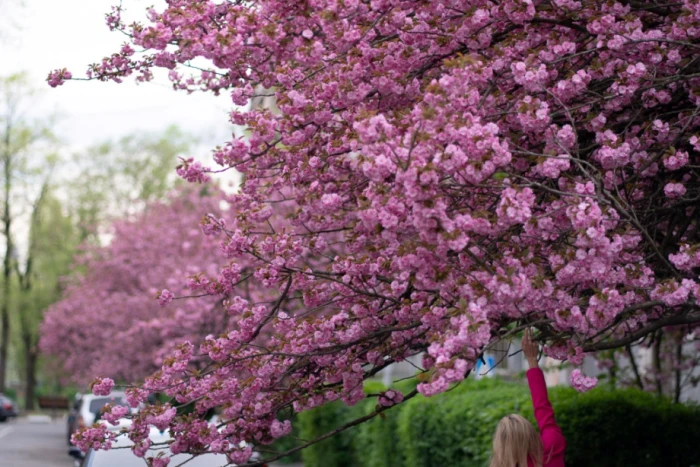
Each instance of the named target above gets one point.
<point>25,444</point>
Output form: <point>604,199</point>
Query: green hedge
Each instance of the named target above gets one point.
<point>606,428</point>
<point>454,429</point>
<point>11,393</point>
<point>621,428</point>
<point>335,451</point>
<point>343,449</point>
<point>375,443</point>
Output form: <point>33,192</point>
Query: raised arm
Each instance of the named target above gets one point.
<point>553,441</point>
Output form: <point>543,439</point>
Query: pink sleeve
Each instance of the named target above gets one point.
<point>553,440</point>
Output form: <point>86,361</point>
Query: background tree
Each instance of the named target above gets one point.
<point>106,189</point>
<point>108,181</point>
<point>116,179</point>
<point>10,10</point>
<point>21,162</point>
<point>51,246</point>
<point>86,332</point>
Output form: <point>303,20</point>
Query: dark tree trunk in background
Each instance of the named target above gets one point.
<point>7,266</point>
<point>613,373</point>
<point>635,368</point>
<point>30,356</point>
<point>677,362</point>
<point>656,362</point>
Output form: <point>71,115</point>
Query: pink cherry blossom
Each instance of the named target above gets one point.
<point>113,414</point>
<point>280,429</point>
<point>164,297</point>
<point>674,190</point>
<point>86,331</point>
<point>676,160</point>
<point>582,383</point>
<point>102,386</point>
<point>390,397</point>
<point>58,77</point>
<point>160,461</point>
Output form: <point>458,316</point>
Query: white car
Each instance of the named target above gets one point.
<point>89,407</point>
<point>121,456</point>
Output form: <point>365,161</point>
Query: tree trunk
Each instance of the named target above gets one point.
<point>7,267</point>
<point>30,356</point>
<point>679,358</point>
<point>4,338</point>
<point>635,368</point>
<point>25,283</point>
<point>612,373</point>
<point>656,355</point>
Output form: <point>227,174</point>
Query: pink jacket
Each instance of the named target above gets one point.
<point>553,441</point>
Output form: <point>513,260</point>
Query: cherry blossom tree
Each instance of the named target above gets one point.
<point>110,299</point>
<point>452,172</point>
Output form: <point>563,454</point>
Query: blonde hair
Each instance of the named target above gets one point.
<point>514,442</point>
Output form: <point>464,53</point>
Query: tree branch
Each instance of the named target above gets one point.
<point>686,318</point>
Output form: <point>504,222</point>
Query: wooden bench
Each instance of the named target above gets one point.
<point>53,402</point>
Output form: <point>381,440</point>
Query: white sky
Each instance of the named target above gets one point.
<point>54,34</point>
<point>37,36</point>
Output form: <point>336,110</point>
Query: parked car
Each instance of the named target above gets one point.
<point>8,409</point>
<point>86,410</point>
<point>126,458</point>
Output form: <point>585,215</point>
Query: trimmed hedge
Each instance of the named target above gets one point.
<point>454,429</point>
<point>606,428</point>
<point>376,443</point>
<point>371,444</point>
<point>621,428</point>
<point>343,449</point>
<point>337,450</point>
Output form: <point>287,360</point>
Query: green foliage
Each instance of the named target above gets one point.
<point>116,179</point>
<point>604,427</point>
<point>610,428</point>
<point>343,449</point>
<point>375,443</point>
<point>51,246</point>
<point>52,243</point>
<point>47,390</point>
<point>337,450</point>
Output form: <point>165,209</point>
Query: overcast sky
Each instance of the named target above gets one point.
<point>37,36</point>
<point>50,34</point>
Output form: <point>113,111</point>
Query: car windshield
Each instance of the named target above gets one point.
<point>97,404</point>
<point>126,458</point>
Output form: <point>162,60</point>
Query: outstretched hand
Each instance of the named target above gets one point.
<point>530,349</point>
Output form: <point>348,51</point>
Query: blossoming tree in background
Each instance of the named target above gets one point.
<point>110,301</point>
<point>453,172</point>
